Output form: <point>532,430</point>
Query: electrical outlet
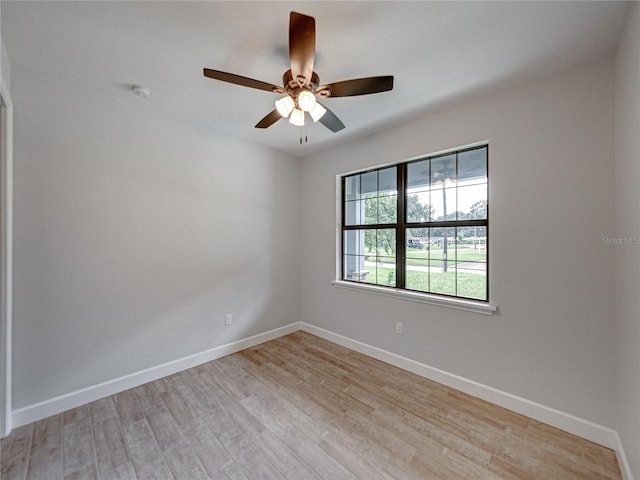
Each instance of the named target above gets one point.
<point>399,328</point>
<point>228,319</point>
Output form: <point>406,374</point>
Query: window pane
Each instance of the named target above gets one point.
<point>387,208</point>
<point>419,207</point>
<point>417,279</point>
<point>354,213</point>
<point>381,209</point>
<point>444,204</point>
<point>442,278</point>
<point>421,233</point>
<point>387,180</point>
<point>371,198</point>
<point>353,242</point>
<point>472,284</point>
<point>370,243</point>
<point>443,282</point>
<point>431,267</point>
<point>385,242</point>
<point>417,242</point>
<point>418,174</point>
<point>371,210</point>
<point>472,166</point>
<point>353,267</point>
<point>369,256</point>
<point>385,272</point>
<point>417,259</point>
<point>369,183</point>
<point>472,263</point>
<point>380,262</point>
<point>471,245</point>
<point>472,202</point>
<point>352,187</point>
<point>475,239</point>
<point>443,170</point>
<point>354,255</point>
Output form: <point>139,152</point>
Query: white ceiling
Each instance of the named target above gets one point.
<point>439,52</point>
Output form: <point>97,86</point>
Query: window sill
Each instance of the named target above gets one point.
<point>457,303</point>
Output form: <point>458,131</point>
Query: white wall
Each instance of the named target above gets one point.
<point>135,233</point>
<point>5,67</point>
<point>6,162</point>
<point>551,202</point>
<point>627,209</point>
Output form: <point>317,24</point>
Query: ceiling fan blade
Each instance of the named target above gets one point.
<point>269,120</point>
<point>240,80</point>
<point>330,121</point>
<point>302,45</point>
<point>358,86</point>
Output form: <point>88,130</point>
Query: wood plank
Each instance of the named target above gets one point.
<point>164,427</point>
<point>212,455</point>
<point>127,407</point>
<point>45,459</point>
<point>176,404</point>
<point>315,457</point>
<point>159,471</point>
<point>78,441</point>
<point>147,397</point>
<point>14,453</point>
<point>183,463</point>
<point>88,472</point>
<point>351,458</point>
<point>282,457</point>
<point>121,472</point>
<point>102,409</point>
<point>111,451</point>
<point>145,454</point>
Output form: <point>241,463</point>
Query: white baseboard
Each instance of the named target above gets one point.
<point>53,406</point>
<point>564,421</point>
<point>623,462</point>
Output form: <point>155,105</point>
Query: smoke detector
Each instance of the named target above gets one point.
<point>140,91</point>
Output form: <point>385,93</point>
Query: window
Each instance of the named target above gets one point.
<point>420,225</point>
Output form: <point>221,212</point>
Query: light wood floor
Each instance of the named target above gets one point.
<point>299,408</point>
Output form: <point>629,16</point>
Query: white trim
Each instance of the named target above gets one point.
<point>457,303</point>
<point>338,227</point>
<point>564,421</point>
<point>6,315</point>
<point>59,404</point>
<point>623,462</point>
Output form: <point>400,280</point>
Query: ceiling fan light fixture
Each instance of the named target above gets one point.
<point>285,105</point>
<point>317,112</point>
<point>306,100</point>
<point>297,117</point>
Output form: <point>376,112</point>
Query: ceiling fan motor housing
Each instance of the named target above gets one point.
<point>292,85</point>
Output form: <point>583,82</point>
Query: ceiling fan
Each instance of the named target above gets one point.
<point>302,85</point>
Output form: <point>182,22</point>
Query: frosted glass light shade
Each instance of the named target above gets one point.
<point>285,105</point>
<point>306,100</point>
<point>297,117</point>
<point>317,112</point>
